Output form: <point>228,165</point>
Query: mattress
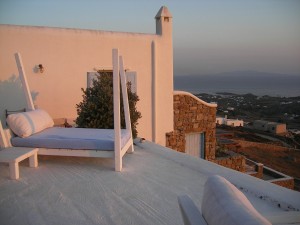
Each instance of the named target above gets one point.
<point>72,138</point>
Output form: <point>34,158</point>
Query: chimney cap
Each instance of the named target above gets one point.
<point>163,12</point>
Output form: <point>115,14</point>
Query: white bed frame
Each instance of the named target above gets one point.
<point>119,152</point>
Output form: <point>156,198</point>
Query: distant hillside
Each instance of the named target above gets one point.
<point>241,82</point>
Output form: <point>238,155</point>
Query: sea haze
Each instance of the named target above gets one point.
<point>241,82</point>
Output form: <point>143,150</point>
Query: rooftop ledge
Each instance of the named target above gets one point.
<point>72,190</point>
<point>60,30</point>
<point>194,97</point>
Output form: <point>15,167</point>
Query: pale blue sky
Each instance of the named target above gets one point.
<point>210,36</point>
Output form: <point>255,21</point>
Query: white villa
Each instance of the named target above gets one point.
<point>68,55</point>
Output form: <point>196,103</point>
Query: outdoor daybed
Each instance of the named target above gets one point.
<point>35,127</point>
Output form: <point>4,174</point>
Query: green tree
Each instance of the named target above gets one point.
<point>96,109</point>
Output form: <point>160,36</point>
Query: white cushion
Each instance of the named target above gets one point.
<point>224,204</point>
<point>27,123</point>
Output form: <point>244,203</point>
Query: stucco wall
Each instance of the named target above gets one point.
<point>191,115</point>
<point>68,54</point>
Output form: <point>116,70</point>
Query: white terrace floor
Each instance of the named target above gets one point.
<point>88,191</point>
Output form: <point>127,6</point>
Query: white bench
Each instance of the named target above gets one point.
<point>13,155</point>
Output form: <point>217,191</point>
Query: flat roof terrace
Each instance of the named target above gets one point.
<point>70,190</point>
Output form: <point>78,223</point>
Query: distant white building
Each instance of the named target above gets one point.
<point>294,131</point>
<point>220,120</point>
<point>229,122</point>
<point>234,122</point>
<point>272,127</point>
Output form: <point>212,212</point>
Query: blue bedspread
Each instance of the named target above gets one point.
<point>72,138</point>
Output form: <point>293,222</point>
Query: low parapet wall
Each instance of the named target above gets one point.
<point>261,172</point>
<point>280,179</point>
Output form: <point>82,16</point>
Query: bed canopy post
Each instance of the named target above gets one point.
<point>22,75</point>
<point>117,123</point>
<point>3,141</point>
<point>125,100</point>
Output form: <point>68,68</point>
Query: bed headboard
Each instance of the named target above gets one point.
<point>8,112</point>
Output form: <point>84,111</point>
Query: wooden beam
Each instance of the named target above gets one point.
<point>3,142</point>
<point>23,78</point>
<point>125,101</point>
<point>117,117</point>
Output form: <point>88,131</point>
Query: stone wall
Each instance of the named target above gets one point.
<point>235,162</point>
<point>285,182</point>
<point>267,147</point>
<point>192,115</point>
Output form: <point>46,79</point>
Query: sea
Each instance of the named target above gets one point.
<point>259,84</point>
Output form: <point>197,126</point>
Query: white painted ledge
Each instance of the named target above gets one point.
<point>194,97</point>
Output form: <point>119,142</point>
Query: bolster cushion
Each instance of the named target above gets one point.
<point>27,123</point>
<point>224,204</point>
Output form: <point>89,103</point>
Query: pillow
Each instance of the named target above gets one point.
<point>224,204</point>
<point>27,123</point>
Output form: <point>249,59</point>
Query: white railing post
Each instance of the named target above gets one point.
<point>125,100</point>
<point>22,75</point>
<point>116,97</point>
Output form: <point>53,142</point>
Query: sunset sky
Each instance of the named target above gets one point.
<point>209,36</point>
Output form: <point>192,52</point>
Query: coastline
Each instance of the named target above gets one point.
<point>288,93</point>
<point>260,84</point>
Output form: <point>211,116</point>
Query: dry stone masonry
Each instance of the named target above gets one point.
<point>191,115</point>
<point>235,161</point>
